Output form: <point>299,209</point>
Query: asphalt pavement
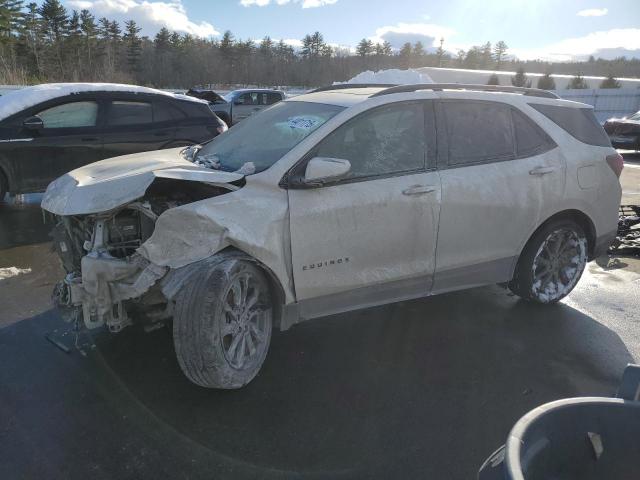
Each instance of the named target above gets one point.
<point>420,389</point>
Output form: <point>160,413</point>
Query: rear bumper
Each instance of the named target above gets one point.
<point>602,244</point>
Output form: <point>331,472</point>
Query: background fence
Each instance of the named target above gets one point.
<point>606,102</point>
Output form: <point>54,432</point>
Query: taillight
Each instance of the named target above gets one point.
<point>616,163</point>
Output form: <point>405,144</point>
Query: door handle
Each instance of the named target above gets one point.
<point>89,139</point>
<point>161,134</point>
<point>419,189</point>
<point>542,171</point>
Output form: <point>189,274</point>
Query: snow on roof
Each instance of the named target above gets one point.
<point>393,75</point>
<point>17,100</point>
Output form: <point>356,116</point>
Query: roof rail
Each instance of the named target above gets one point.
<point>438,87</point>
<point>343,86</point>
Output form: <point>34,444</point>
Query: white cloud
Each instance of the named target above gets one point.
<point>593,12</point>
<point>149,15</point>
<point>304,3</point>
<point>427,33</point>
<point>607,44</point>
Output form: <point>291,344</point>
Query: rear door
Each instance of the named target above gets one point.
<point>136,125</point>
<point>369,238</point>
<point>499,170</point>
<point>71,137</point>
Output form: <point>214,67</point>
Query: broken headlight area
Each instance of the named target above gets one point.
<point>108,282</point>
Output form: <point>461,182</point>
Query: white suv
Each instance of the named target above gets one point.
<point>339,199</point>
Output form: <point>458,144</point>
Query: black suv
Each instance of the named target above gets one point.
<point>48,130</point>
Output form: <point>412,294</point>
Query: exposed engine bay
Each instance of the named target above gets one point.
<point>106,277</point>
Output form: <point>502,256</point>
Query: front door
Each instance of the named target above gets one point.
<point>498,170</point>
<point>70,138</point>
<point>370,237</point>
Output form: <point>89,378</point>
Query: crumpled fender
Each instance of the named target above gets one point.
<point>253,219</point>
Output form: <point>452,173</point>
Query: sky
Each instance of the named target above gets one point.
<point>545,29</point>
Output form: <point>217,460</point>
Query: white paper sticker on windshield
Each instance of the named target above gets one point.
<point>304,123</point>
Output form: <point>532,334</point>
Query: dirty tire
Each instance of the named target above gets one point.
<point>222,324</point>
<point>551,263</point>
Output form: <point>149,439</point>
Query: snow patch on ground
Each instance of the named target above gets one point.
<point>8,272</point>
<point>17,100</point>
<point>393,75</point>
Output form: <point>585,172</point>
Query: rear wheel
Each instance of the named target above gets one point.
<point>551,263</point>
<point>222,324</point>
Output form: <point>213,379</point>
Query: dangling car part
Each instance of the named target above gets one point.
<point>627,241</point>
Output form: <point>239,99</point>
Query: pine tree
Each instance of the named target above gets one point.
<point>31,34</point>
<point>417,58</point>
<point>55,22</point>
<point>546,82</point>
<point>486,56</point>
<point>55,19</point>
<point>89,31</point>
<point>493,80</point>
<point>577,83</point>
<point>499,52</point>
<point>364,48</point>
<point>520,79</point>
<point>133,46</point>
<point>11,18</point>
<point>386,49</point>
<point>610,82</point>
<point>405,54</point>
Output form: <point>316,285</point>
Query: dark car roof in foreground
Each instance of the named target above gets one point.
<point>18,100</point>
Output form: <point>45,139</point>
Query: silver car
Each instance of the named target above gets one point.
<point>336,200</point>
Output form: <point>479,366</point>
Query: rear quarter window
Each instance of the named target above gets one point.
<point>580,123</point>
<point>530,138</point>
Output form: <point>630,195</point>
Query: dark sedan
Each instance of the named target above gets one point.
<point>48,130</point>
<point>624,132</point>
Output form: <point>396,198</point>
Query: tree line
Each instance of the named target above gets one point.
<point>48,43</point>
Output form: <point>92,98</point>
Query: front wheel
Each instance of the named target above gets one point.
<point>222,324</point>
<point>551,263</point>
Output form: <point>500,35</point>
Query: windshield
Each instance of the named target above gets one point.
<point>635,116</point>
<point>260,141</point>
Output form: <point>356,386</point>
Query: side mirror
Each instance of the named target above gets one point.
<point>33,123</point>
<point>322,169</point>
<point>238,101</point>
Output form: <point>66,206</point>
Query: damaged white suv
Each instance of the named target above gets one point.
<point>336,200</point>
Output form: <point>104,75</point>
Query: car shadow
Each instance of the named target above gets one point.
<point>23,222</point>
<point>424,388</point>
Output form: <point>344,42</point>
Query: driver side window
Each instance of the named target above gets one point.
<point>386,140</point>
<point>70,115</point>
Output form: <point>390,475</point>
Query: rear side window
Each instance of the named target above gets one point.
<point>130,113</point>
<point>478,131</point>
<point>530,138</point>
<point>164,112</point>
<point>580,123</point>
<point>273,98</point>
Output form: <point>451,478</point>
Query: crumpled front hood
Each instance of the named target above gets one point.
<point>111,183</point>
